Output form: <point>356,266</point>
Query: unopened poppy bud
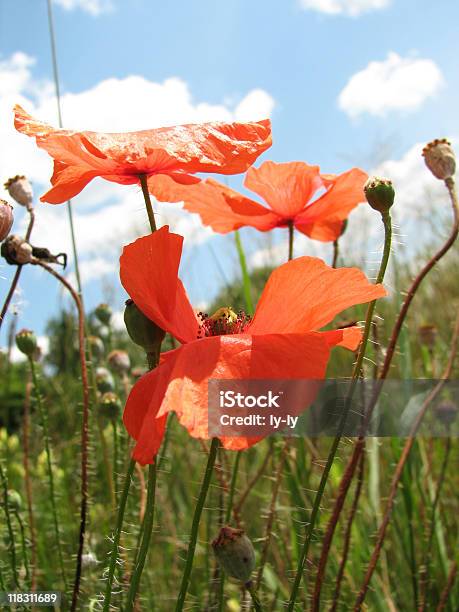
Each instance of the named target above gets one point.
<point>428,335</point>
<point>20,190</point>
<point>14,500</point>
<point>16,250</point>
<point>235,553</point>
<point>104,380</point>
<point>110,405</point>
<point>380,194</point>
<point>96,346</point>
<point>6,219</point>
<point>119,361</point>
<point>446,412</point>
<point>26,341</point>
<point>440,158</point>
<point>104,313</point>
<point>141,329</point>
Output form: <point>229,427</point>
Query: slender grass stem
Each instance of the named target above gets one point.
<point>115,457</point>
<point>195,524</point>
<point>448,587</point>
<point>27,479</point>
<point>9,526</point>
<point>245,273</point>
<point>291,235</point>
<point>332,453</point>
<point>43,414</point>
<point>255,600</point>
<point>232,489</point>
<point>24,546</point>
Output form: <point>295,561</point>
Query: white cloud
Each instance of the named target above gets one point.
<point>396,83</point>
<point>93,7</point>
<point>352,8</point>
<point>106,215</point>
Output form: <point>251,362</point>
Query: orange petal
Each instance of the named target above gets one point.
<point>306,294</point>
<point>349,337</point>
<point>286,188</point>
<point>67,182</point>
<point>224,209</point>
<point>149,273</point>
<point>322,220</point>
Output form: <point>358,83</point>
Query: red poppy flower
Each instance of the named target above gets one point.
<point>281,342</point>
<point>288,189</point>
<point>178,152</point>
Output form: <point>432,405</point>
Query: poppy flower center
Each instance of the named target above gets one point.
<point>224,321</point>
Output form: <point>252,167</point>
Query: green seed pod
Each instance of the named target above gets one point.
<point>110,406</point>
<point>104,380</point>
<point>141,330</point>
<point>104,313</point>
<point>380,194</point>
<point>440,158</point>
<point>14,500</point>
<point>26,341</point>
<point>97,347</point>
<point>235,553</point>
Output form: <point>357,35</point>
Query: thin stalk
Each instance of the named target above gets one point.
<point>6,509</point>
<point>43,413</point>
<point>360,445</point>
<point>108,468</point>
<point>17,274</point>
<point>27,480</point>
<point>245,273</point>
<point>400,467</point>
<point>447,590</point>
<point>255,600</point>
<point>84,428</point>
<point>332,453</point>
<point>335,253</point>
<point>229,507</point>
<point>115,457</point>
<point>259,473</point>
<point>147,530</point>
<point>23,545</point>
<point>117,535</point>
<point>148,204</point>
<point>291,233</point>
<point>195,524</point>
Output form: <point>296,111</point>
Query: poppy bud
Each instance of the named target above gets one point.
<point>6,219</point>
<point>26,341</point>
<point>20,190</point>
<point>97,346</point>
<point>14,500</point>
<point>440,158</point>
<point>446,412</point>
<point>380,194</point>
<point>89,560</point>
<point>110,406</point>
<point>235,553</point>
<point>428,335</point>
<point>104,380</point>
<point>141,330</point>
<point>119,361</point>
<point>104,313</point>
<point>16,250</point>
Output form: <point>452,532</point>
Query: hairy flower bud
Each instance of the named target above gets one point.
<point>380,194</point>
<point>119,361</point>
<point>97,347</point>
<point>440,158</point>
<point>427,335</point>
<point>20,190</point>
<point>26,341</point>
<point>141,330</point>
<point>104,313</point>
<point>16,250</point>
<point>446,412</point>
<point>104,380</point>
<point>6,219</point>
<point>110,405</point>
<point>235,553</point>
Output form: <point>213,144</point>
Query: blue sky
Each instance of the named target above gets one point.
<point>302,59</point>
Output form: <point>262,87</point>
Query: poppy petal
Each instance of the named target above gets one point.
<point>67,182</point>
<point>286,188</point>
<point>349,337</point>
<point>149,273</point>
<point>322,220</point>
<point>222,208</point>
<point>305,294</point>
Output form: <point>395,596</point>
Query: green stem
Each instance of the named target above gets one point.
<point>245,273</point>
<point>9,526</point>
<point>255,600</point>
<point>24,546</point>
<point>332,453</point>
<point>335,253</point>
<point>117,535</point>
<point>195,525</point>
<point>115,458</point>
<point>232,489</point>
<point>291,232</point>
<point>44,424</point>
<point>146,537</point>
<point>148,204</point>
